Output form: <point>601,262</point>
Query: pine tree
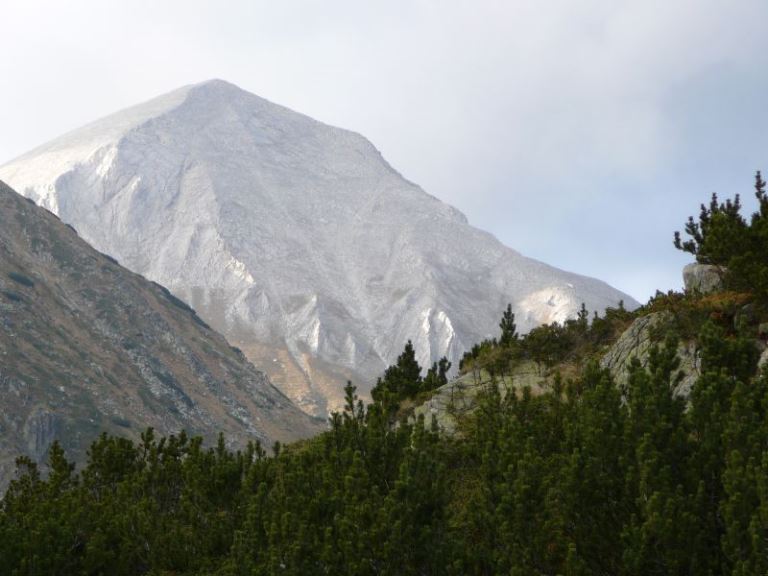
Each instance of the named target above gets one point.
<point>400,381</point>
<point>719,233</point>
<point>744,505</point>
<point>722,237</point>
<point>437,375</point>
<point>415,509</point>
<point>593,473</point>
<point>656,536</point>
<point>509,334</point>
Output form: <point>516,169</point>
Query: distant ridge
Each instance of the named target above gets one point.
<point>88,347</point>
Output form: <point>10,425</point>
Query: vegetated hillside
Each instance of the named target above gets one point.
<point>579,476</point>
<point>295,239</point>
<point>88,347</point>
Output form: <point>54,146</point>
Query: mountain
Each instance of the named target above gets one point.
<point>88,347</point>
<point>295,239</point>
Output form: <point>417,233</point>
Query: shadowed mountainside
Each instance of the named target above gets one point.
<point>87,346</point>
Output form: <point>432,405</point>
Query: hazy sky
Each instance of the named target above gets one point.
<point>581,133</point>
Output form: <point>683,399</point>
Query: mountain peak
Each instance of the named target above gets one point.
<point>294,238</point>
<point>217,94</point>
<point>216,84</point>
<point>218,89</point>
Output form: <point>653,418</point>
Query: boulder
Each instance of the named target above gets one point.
<point>703,278</point>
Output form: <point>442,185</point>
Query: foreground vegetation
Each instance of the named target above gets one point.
<point>581,478</point>
<point>572,481</point>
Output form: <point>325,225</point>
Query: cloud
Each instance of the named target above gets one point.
<point>581,133</point>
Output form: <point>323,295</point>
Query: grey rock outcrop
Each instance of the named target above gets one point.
<point>702,278</point>
<point>458,398</point>
<point>637,341</point>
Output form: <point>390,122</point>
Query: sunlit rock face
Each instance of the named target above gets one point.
<point>295,239</point>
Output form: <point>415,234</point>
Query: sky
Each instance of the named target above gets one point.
<point>580,133</point>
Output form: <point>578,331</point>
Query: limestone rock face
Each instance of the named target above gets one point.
<point>637,341</point>
<point>702,278</point>
<point>296,240</point>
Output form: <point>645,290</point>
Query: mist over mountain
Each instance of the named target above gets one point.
<point>295,239</point>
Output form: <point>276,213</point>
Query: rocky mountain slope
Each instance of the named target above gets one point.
<point>295,239</point>
<point>87,346</point>
<point>705,297</point>
<point>455,400</point>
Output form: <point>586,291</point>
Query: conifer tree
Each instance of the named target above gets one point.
<point>744,505</point>
<point>722,237</point>
<point>401,380</point>
<point>509,334</point>
<point>656,536</point>
<point>593,474</point>
<point>719,233</point>
<point>437,375</point>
